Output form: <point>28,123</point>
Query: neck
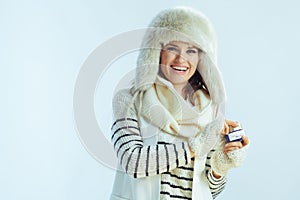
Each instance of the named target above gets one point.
<point>180,89</point>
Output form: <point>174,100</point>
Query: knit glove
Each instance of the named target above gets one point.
<point>204,142</point>
<point>221,162</point>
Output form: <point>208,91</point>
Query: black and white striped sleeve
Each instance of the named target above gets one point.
<point>216,185</point>
<point>136,158</point>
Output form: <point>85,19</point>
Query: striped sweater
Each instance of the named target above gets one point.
<point>172,160</point>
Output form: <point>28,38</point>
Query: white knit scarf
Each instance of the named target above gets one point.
<point>164,108</point>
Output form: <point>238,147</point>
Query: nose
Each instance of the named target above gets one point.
<point>180,57</point>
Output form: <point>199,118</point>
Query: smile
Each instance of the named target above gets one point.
<point>180,68</point>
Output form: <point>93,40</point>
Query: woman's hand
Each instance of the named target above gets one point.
<point>224,160</point>
<point>227,125</point>
<point>233,145</point>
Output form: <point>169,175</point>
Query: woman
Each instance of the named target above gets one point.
<point>168,127</point>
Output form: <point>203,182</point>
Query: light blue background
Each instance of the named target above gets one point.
<point>43,45</point>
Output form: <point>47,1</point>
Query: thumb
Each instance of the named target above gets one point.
<point>245,140</point>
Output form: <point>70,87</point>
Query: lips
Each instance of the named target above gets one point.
<point>179,68</point>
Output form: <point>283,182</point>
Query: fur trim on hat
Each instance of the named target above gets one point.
<point>185,25</point>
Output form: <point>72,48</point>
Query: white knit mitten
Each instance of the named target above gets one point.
<point>221,162</point>
<point>202,143</point>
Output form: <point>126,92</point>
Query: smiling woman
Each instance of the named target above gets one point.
<point>167,132</point>
<point>178,63</point>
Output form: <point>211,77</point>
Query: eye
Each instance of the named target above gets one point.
<point>192,51</point>
<point>171,48</point>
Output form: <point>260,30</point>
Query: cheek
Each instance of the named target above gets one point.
<point>166,58</point>
<point>194,64</point>
<point>195,61</point>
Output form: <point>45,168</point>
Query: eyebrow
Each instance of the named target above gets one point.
<point>189,47</point>
<point>171,45</point>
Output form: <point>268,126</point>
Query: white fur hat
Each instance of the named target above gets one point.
<point>186,25</point>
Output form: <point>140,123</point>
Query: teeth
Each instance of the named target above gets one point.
<point>180,68</point>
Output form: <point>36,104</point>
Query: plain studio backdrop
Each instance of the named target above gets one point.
<point>44,44</point>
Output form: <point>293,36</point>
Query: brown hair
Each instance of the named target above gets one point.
<point>196,82</point>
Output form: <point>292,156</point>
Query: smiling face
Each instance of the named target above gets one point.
<point>178,62</point>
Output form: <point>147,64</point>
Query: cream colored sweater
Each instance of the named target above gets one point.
<point>140,158</point>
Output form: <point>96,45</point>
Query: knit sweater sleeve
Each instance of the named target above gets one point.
<point>136,158</point>
<point>216,186</point>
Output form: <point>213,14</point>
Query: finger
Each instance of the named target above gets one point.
<point>232,123</point>
<point>230,149</point>
<point>225,129</point>
<point>233,144</point>
<point>245,140</point>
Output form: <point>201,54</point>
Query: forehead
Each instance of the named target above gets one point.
<point>181,44</point>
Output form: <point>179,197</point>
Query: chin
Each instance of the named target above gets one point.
<point>178,82</point>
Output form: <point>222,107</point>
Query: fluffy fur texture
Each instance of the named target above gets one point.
<point>186,25</point>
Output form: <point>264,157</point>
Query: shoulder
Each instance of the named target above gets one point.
<point>123,103</point>
<point>122,96</point>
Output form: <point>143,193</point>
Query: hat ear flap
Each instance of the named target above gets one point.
<point>212,78</point>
